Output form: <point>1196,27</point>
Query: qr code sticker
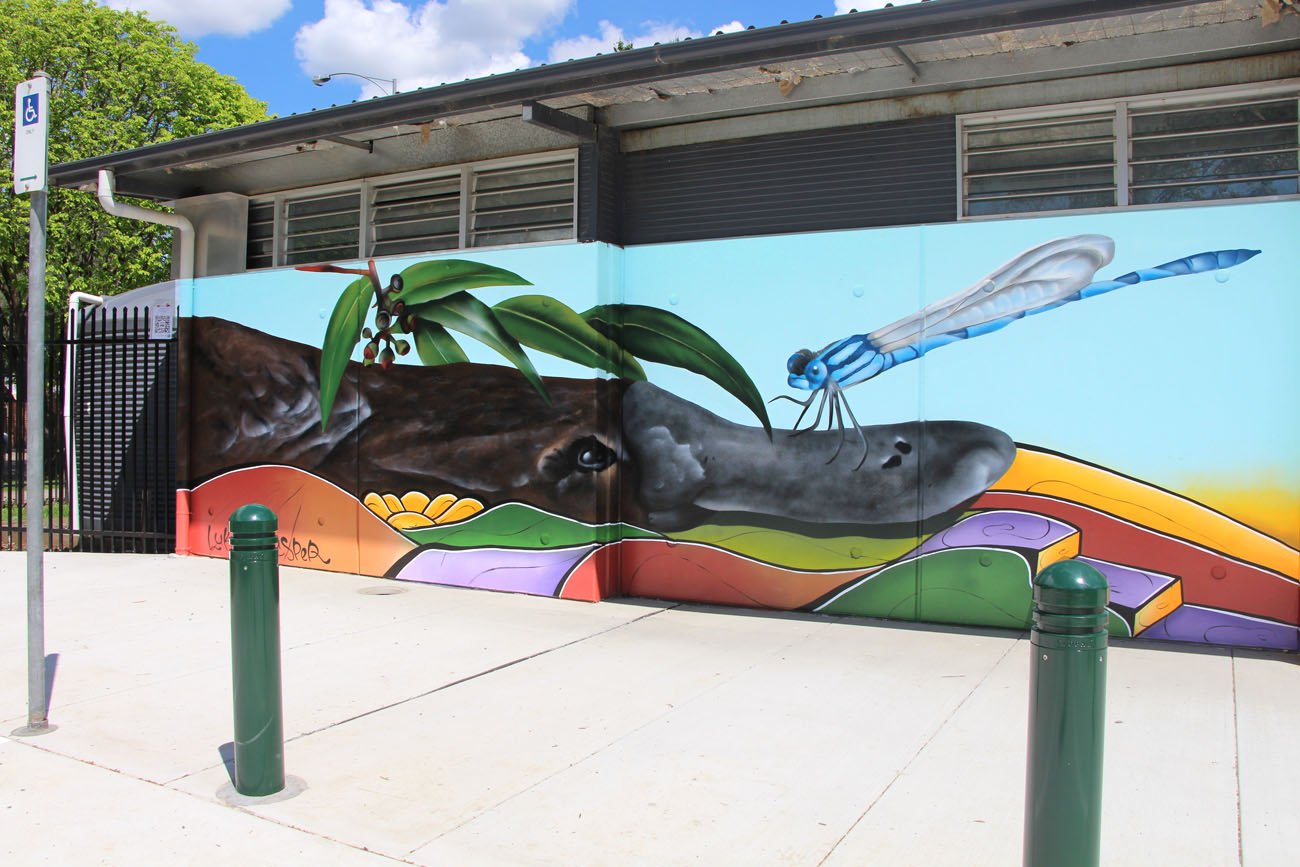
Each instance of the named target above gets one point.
<point>162,324</point>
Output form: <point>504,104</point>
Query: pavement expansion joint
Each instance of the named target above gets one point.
<point>293,786</point>
<point>672,708</point>
<point>921,749</point>
<point>478,674</point>
<point>1236,761</point>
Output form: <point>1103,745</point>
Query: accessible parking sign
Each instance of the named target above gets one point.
<point>31,132</point>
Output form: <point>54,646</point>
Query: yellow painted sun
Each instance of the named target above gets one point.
<point>414,510</point>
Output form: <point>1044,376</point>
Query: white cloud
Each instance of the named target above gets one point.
<point>586,46</point>
<point>422,44</point>
<point>842,6</point>
<point>648,33</point>
<point>228,17</point>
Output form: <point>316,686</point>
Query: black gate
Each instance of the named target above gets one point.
<point>110,437</point>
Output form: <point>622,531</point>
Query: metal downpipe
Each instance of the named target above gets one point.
<point>76,300</point>
<point>185,267</point>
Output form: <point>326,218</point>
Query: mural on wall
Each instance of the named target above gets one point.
<point>467,473</point>
<point>428,298</point>
<point>1041,279</point>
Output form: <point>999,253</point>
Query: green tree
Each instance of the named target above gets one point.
<point>117,81</point>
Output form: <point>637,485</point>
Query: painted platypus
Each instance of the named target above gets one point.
<point>603,450</point>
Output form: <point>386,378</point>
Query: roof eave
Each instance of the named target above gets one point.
<point>882,28</point>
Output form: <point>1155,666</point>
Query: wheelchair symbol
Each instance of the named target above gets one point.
<point>31,109</point>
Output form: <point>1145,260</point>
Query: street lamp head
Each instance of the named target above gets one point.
<point>387,85</point>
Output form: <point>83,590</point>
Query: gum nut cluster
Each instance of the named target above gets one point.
<point>382,345</point>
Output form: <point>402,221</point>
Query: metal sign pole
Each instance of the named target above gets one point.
<point>37,711</point>
<point>31,134</point>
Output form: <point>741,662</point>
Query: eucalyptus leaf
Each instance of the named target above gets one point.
<point>435,346</point>
<point>550,326</point>
<point>464,313</point>
<point>428,281</point>
<point>341,336</point>
<point>657,335</point>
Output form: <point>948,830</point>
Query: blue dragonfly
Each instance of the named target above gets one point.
<point>1046,277</point>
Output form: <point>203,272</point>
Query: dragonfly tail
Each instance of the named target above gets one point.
<point>1198,263</point>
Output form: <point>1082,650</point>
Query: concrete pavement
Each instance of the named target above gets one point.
<point>454,727</point>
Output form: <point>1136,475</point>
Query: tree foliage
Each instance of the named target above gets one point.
<point>117,81</point>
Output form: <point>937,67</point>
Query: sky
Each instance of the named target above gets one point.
<point>275,47</point>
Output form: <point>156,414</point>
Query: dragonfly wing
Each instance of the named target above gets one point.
<point>1039,278</point>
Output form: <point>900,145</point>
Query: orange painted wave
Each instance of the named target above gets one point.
<point>321,526</point>
<point>1063,478</point>
<point>1257,502</point>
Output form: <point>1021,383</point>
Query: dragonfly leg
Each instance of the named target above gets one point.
<point>806,404</point>
<point>837,414</point>
<point>810,399</point>
<point>862,436</point>
<point>834,395</point>
<point>817,420</point>
<point>803,403</point>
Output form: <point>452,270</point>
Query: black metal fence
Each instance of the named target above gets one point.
<point>110,436</point>
<point>13,448</point>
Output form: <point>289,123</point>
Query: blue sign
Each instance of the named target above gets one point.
<point>31,109</point>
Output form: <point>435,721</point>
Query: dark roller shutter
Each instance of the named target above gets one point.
<point>877,175</point>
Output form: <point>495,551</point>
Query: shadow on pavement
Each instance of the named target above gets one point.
<point>51,669</point>
<point>227,753</point>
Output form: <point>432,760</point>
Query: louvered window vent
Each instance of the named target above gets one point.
<point>1169,150</point>
<point>476,205</point>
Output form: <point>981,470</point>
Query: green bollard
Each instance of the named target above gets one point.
<point>255,651</point>
<point>1067,709</point>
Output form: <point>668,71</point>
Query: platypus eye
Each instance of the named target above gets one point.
<point>581,457</point>
<point>590,455</point>
<point>799,361</point>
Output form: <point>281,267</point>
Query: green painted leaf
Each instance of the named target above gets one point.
<point>464,313</point>
<point>657,335</point>
<point>435,346</point>
<point>550,326</point>
<point>341,336</point>
<point>428,281</point>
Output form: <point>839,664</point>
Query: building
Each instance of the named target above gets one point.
<point>695,215</point>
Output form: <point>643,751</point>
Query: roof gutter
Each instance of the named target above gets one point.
<point>185,265</point>
<point>883,28</point>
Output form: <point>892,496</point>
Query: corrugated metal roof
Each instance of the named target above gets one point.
<point>932,33</point>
